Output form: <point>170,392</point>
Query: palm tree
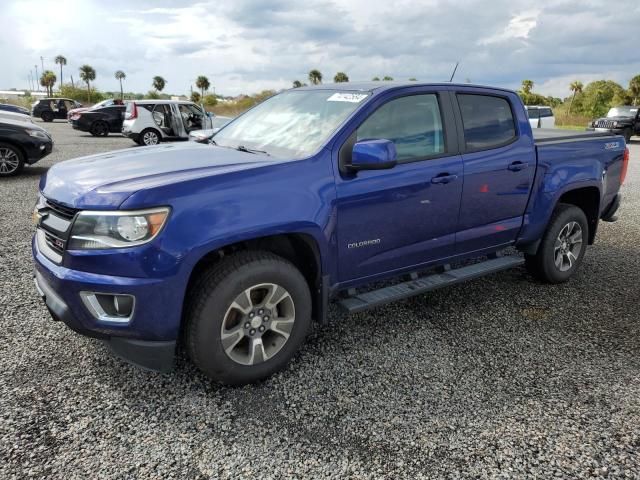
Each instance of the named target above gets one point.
<point>340,77</point>
<point>159,83</point>
<point>120,75</point>
<point>297,84</point>
<point>387,78</point>
<point>47,80</point>
<point>315,77</point>
<point>87,74</point>
<point>527,86</point>
<point>576,87</point>
<point>203,84</point>
<point>375,79</point>
<point>634,88</point>
<point>60,60</point>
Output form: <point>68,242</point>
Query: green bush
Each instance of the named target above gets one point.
<point>210,100</point>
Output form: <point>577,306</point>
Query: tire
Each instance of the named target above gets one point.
<point>11,160</point>
<point>627,135</point>
<point>563,246</point>
<point>99,129</point>
<point>220,315</point>
<point>149,136</point>
<point>47,117</point>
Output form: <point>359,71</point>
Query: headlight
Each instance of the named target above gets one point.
<point>38,134</point>
<point>40,204</point>
<point>615,124</point>
<point>117,229</point>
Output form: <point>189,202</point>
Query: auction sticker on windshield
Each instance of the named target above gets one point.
<point>347,97</point>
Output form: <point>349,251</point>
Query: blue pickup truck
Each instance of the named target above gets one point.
<point>232,249</point>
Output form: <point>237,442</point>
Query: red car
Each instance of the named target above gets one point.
<point>73,113</point>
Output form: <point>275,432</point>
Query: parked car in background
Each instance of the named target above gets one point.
<point>21,143</point>
<point>15,116</point>
<point>50,109</point>
<point>105,103</point>
<point>100,121</point>
<point>149,122</point>
<point>205,136</point>
<point>317,193</point>
<point>8,107</point>
<point>541,116</point>
<point>623,120</point>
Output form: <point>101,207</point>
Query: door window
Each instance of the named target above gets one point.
<point>488,121</point>
<point>412,123</point>
<point>191,116</point>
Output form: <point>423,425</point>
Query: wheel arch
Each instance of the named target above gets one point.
<point>301,249</point>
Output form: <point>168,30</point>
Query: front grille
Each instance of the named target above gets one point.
<point>56,244</point>
<point>61,211</point>
<point>604,124</point>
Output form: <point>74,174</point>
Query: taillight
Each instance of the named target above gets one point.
<point>133,113</point>
<point>625,164</point>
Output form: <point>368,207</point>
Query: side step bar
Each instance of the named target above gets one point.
<point>400,291</point>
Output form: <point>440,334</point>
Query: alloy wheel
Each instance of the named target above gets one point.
<point>258,324</point>
<point>567,246</point>
<point>150,138</point>
<point>9,161</point>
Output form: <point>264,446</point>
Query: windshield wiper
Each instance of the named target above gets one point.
<point>242,148</point>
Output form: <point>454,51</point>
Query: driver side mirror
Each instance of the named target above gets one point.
<point>376,154</point>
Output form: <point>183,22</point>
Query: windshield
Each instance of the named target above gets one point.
<point>622,112</point>
<point>293,124</point>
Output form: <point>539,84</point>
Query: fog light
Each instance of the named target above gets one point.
<point>107,307</point>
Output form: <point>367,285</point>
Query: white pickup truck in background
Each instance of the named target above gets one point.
<point>541,116</point>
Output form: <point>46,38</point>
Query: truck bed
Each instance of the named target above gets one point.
<point>547,135</point>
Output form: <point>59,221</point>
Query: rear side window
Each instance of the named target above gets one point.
<point>488,121</point>
<point>533,112</point>
<point>546,112</point>
<point>412,123</point>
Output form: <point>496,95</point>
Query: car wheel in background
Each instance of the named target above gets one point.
<point>47,117</point>
<point>11,160</point>
<point>247,316</point>
<point>563,246</point>
<point>627,135</point>
<point>149,136</point>
<point>99,129</point>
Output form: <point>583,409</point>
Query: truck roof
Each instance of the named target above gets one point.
<point>380,86</point>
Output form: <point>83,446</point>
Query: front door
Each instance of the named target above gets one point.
<point>397,219</point>
<point>499,168</point>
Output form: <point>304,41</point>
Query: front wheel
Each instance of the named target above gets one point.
<point>11,160</point>
<point>563,246</point>
<point>99,129</point>
<point>247,317</point>
<point>47,117</point>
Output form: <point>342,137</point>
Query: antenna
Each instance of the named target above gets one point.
<point>454,72</point>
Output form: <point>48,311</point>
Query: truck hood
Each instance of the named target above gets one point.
<point>106,180</point>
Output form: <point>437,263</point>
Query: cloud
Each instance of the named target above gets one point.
<point>249,45</point>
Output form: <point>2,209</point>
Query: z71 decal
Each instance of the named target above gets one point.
<point>611,145</point>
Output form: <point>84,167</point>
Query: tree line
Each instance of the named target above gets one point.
<point>592,100</point>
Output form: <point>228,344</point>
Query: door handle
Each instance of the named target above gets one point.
<point>517,166</point>
<point>443,178</point>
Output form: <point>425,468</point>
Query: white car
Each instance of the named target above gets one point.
<point>15,116</point>
<point>149,122</point>
<point>541,116</point>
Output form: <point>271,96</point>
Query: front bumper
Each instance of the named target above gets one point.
<point>148,340</point>
<point>37,149</point>
<point>615,131</point>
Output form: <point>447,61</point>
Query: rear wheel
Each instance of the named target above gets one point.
<point>47,116</point>
<point>247,317</point>
<point>99,129</point>
<point>11,160</point>
<point>149,136</point>
<point>562,247</point>
<point>627,135</point>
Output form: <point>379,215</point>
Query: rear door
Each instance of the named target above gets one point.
<point>390,220</point>
<point>499,166</point>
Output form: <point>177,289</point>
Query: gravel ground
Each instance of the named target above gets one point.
<point>499,378</point>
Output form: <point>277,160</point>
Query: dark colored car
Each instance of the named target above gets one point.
<point>13,108</point>
<point>105,103</point>
<point>21,143</point>
<point>101,121</point>
<point>623,120</point>
<point>49,109</point>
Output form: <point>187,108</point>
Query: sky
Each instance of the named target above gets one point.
<point>245,46</point>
